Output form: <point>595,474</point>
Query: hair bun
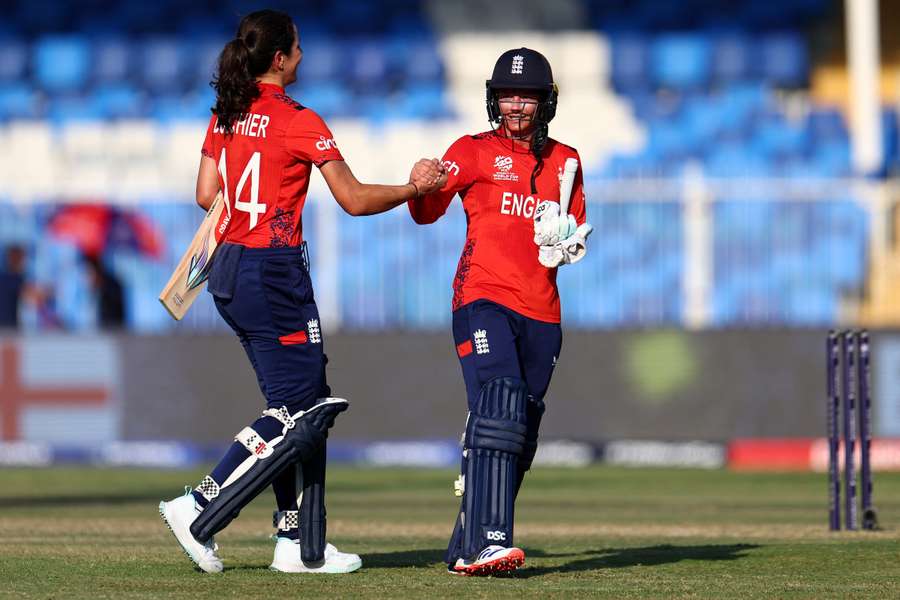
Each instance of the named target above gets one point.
<point>250,39</point>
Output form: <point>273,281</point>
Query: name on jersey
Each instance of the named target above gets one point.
<point>251,125</point>
<point>518,205</point>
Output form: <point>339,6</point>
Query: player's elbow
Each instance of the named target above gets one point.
<point>204,201</point>
<point>354,207</point>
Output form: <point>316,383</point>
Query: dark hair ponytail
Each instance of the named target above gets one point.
<point>260,35</point>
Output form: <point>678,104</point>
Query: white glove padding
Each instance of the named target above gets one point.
<point>551,256</point>
<point>575,246</point>
<point>549,226</point>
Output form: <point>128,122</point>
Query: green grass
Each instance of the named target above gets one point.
<point>599,532</point>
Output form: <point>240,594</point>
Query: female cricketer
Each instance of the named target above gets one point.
<point>259,151</point>
<point>506,314</point>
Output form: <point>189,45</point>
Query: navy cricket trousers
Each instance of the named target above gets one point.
<point>272,310</point>
<point>494,341</point>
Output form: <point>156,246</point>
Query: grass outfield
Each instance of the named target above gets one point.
<point>598,532</point>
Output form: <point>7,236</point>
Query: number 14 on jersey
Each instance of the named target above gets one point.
<point>251,172</point>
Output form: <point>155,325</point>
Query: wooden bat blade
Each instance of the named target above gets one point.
<point>186,282</point>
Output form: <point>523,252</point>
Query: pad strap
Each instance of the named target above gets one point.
<point>208,488</point>
<point>285,520</point>
<point>254,443</point>
<point>282,414</point>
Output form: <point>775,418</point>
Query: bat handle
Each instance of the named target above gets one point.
<point>568,180</point>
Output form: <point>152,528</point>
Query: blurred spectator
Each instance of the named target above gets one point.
<point>12,286</point>
<point>110,297</point>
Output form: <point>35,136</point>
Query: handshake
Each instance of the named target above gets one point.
<point>560,239</point>
<point>428,176</point>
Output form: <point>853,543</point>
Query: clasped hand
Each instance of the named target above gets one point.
<point>428,176</point>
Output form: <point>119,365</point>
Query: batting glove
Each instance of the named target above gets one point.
<point>549,226</point>
<point>551,256</point>
<point>575,246</point>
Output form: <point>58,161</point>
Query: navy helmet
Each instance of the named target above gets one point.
<point>522,69</point>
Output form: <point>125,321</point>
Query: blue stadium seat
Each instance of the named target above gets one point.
<point>191,106</point>
<point>206,57</point>
<point>630,59</point>
<point>681,61</point>
<point>112,60</point>
<point>327,99</point>
<point>115,101</point>
<point>73,107</point>
<point>18,101</point>
<point>421,101</point>
<point>424,63</point>
<point>164,65</point>
<point>366,64</point>
<point>13,59</point>
<point>784,59</point>
<point>732,58</point>
<point>61,64</point>
<point>322,60</point>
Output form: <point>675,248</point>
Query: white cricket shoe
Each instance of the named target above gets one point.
<point>491,560</point>
<point>178,515</point>
<point>287,559</point>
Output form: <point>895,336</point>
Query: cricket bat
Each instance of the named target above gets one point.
<point>565,185</point>
<point>192,271</point>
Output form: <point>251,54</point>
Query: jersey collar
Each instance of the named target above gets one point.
<point>270,88</point>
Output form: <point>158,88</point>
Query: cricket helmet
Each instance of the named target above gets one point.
<point>522,69</point>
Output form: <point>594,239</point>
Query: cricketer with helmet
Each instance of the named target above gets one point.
<point>506,310</point>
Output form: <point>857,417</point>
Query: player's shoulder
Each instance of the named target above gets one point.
<point>557,148</point>
<point>285,102</point>
<point>470,142</point>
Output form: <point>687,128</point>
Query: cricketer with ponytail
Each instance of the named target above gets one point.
<point>259,151</point>
<point>506,309</point>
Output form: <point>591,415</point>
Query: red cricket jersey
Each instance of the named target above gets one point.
<point>264,167</point>
<point>499,261</point>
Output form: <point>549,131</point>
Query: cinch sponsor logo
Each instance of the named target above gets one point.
<point>518,205</point>
<point>325,144</point>
<point>452,167</point>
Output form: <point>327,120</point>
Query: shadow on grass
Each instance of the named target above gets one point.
<point>406,558</point>
<point>615,558</point>
<point>86,500</point>
<point>607,558</point>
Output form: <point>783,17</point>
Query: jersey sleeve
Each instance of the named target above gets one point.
<point>577,204</point>
<point>461,173</point>
<point>308,139</point>
<point>207,149</point>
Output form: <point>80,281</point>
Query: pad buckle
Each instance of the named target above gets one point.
<point>459,486</point>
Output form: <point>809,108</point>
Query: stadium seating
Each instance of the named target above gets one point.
<point>715,88</point>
